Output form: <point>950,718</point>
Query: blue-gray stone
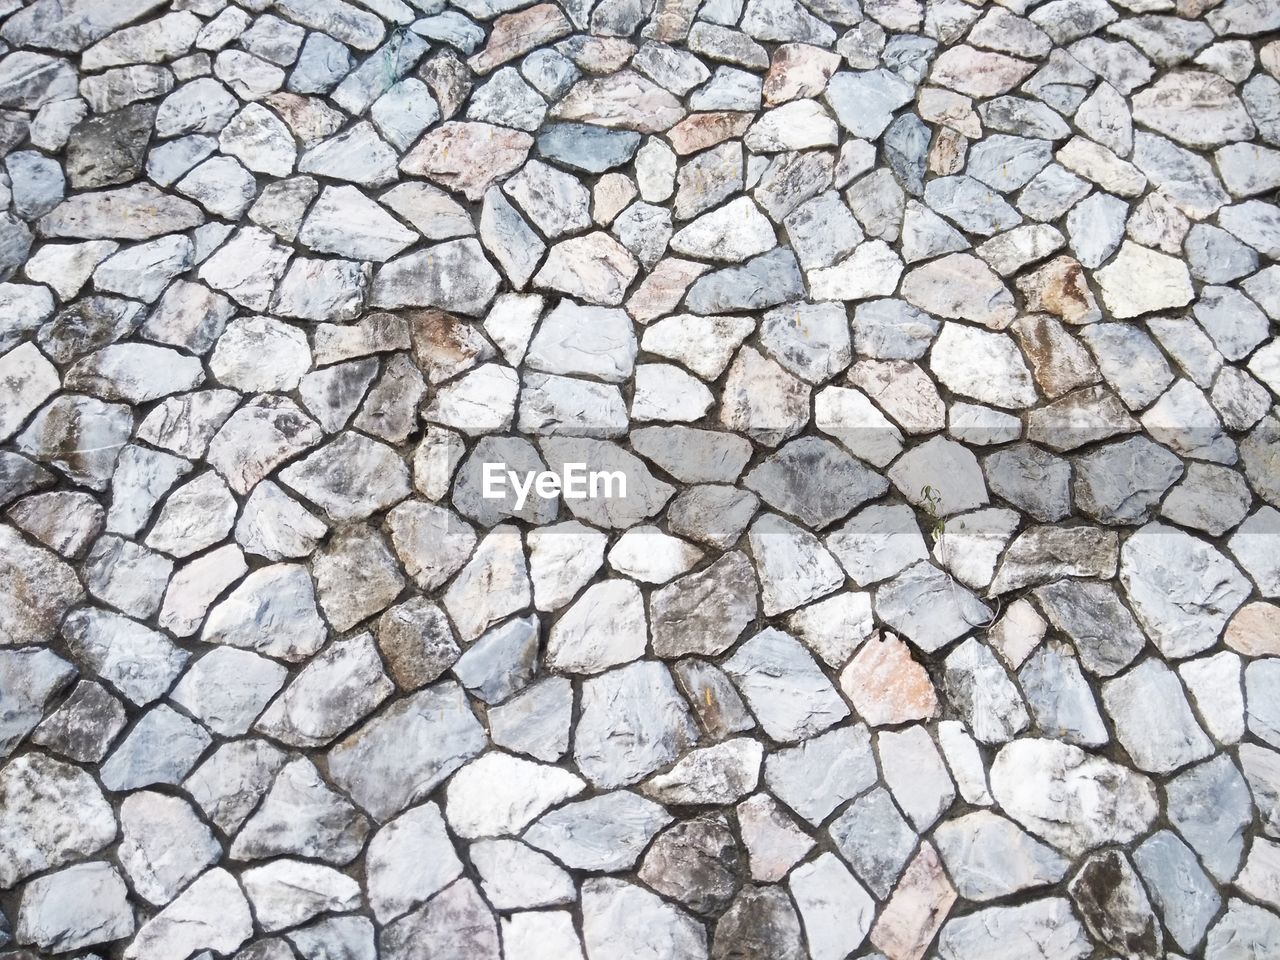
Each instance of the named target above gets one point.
<point>1060,698</point>
<point>321,65</point>
<point>1181,891</point>
<point>906,149</point>
<point>970,204</point>
<point>1215,256</point>
<point>1210,806</point>
<point>589,148</point>
<point>769,279</point>
<point>1007,163</point>
<point>872,836</point>
<point>501,662</point>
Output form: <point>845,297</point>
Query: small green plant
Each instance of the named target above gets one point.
<point>932,500</point>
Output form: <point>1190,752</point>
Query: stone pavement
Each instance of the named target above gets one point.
<point>933,342</point>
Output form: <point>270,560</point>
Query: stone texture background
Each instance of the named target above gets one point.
<point>935,340</point>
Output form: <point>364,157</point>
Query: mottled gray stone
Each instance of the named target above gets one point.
<point>1244,927</point>
<point>785,687</point>
<point>695,862</point>
<point>211,913</point>
<point>1054,790</point>
<point>817,775</point>
<point>401,754</point>
<point>623,916</point>
<point>815,481</point>
<point>928,607</point>
<point>769,279</point>
<point>1182,892</point>
<point>875,840</point>
<point>589,148</point>
<point>706,611</point>
<point>84,726</point>
<point>1162,568</point>
<point>606,833</point>
<point>1060,699</point>
<point>160,749</point>
<point>409,860</point>
<point>642,699</point>
<point>990,857</point>
<point>76,907</point>
<point>273,611</point>
<point>164,846</point>
<point>457,916</point>
<point>1048,927</point>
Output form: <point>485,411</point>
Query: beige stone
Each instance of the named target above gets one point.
<point>515,34</point>
<point>798,70</point>
<point>624,100</point>
<point>886,686</point>
<point>467,156</point>
<point>701,130</point>
<point>1061,288</point>
<point>916,910</point>
<point>1255,630</point>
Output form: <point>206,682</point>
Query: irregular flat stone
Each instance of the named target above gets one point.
<point>1162,568</point>
<point>784,686</point>
<point>350,477</point>
<point>642,699</point>
<point>1157,747</point>
<point>402,753</point>
<point>606,833</point>
<point>990,857</point>
<point>212,913</point>
<point>77,907</point>
<point>59,815</point>
<point>1197,109</point>
<point>1047,927</point>
<point>410,859</point>
<point>622,100</point>
<point>1054,790</point>
<point>38,590</point>
<point>960,286</point>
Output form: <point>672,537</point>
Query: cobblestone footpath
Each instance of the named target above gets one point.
<point>934,345</point>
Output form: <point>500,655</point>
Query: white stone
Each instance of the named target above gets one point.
<point>499,794</point>
<point>1074,800</point>
<point>211,914</point>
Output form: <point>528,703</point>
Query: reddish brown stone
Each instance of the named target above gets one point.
<point>1060,288</point>
<point>515,34</point>
<point>917,909</point>
<point>701,130</point>
<point>467,157</point>
<point>886,686</point>
<point>444,346</point>
<point>948,152</point>
<point>1059,361</point>
<point>662,289</point>
<point>1255,630</point>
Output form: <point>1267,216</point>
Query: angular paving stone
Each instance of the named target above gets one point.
<point>1158,563</point>
<point>1114,905</point>
<point>1022,771</point>
<point>606,833</point>
<point>784,686</point>
<point>399,755</point>
<point>642,700</point>
<point>1048,925</point>
<point>59,816</point>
